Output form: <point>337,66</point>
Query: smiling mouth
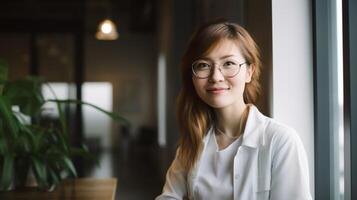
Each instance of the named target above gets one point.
<point>217,90</point>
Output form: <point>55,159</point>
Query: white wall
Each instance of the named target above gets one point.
<point>292,101</point>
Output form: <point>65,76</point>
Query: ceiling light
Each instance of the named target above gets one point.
<point>107,30</point>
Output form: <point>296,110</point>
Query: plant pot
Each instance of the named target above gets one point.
<point>24,179</point>
<point>31,182</point>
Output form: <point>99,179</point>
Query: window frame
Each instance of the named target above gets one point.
<point>322,98</point>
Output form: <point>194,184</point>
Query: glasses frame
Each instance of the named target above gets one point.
<point>219,68</point>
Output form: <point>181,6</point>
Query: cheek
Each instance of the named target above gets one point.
<point>238,86</point>
<point>238,81</point>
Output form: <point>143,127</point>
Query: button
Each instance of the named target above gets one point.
<point>236,176</point>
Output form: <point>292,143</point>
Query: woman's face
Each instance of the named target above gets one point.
<point>221,91</point>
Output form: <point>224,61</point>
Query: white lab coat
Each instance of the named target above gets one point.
<point>271,156</point>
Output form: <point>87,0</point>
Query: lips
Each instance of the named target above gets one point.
<point>216,90</point>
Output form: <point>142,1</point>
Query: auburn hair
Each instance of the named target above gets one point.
<point>194,116</point>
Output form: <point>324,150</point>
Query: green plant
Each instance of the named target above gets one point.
<point>43,148</point>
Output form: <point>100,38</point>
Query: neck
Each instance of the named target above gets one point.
<point>229,120</point>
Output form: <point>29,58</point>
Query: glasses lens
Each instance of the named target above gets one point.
<point>201,69</point>
<point>230,69</point>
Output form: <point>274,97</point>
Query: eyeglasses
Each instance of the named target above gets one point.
<point>229,68</point>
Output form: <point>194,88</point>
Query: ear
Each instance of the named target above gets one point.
<point>249,73</point>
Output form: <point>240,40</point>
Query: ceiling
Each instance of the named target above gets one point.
<point>135,15</point>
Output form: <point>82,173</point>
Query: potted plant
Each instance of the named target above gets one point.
<point>43,149</point>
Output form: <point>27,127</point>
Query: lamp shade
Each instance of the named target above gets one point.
<point>107,30</point>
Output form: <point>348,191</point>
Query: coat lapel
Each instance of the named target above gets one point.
<point>253,137</point>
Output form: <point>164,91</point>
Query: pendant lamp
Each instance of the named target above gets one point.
<point>107,30</point>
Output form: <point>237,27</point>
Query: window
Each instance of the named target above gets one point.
<point>335,109</point>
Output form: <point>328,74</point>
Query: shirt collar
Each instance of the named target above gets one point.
<point>255,125</point>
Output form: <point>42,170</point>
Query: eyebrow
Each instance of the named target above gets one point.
<point>227,56</point>
<point>221,58</point>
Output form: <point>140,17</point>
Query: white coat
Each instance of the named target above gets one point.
<point>271,156</point>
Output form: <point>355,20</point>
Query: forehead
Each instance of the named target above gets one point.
<point>223,48</point>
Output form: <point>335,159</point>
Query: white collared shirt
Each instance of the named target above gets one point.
<point>215,177</point>
<point>270,163</point>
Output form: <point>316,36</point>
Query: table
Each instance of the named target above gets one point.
<point>70,189</point>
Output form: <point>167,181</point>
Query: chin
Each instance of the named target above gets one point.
<point>217,105</point>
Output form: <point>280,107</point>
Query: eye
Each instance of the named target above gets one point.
<point>229,64</point>
<point>201,66</point>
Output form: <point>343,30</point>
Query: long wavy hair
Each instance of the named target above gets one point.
<point>194,116</point>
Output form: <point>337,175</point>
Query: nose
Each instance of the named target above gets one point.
<point>216,75</point>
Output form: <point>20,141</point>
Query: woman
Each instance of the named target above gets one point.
<point>227,148</point>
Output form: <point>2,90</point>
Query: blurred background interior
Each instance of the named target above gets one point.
<point>136,72</point>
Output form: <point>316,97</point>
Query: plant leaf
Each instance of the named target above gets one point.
<point>3,147</point>
<point>68,164</point>
<point>7,116</point>
<point>38,140</point>
<point>40,171</point>
<point>113,115</point>
<point>62,140</point>
<point>56,178</point>
<point>83,152</point>
<point>3,143</point>
<point>7,172</point>
<point>29,134</point>
<point>61,114</point>
<point>26,94</point>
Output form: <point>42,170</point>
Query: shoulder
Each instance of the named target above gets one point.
<point>278,130</point>
<point>282,140</point>
<point>278,135</point>
<point>264,132</point>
